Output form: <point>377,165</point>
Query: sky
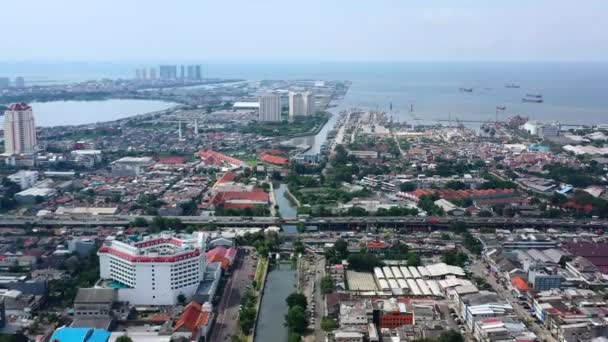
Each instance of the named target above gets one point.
<point>305,30</point>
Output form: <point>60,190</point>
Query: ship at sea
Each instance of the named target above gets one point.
<point>466,90</point>
<point>534,98</point>
<point>512,85</point>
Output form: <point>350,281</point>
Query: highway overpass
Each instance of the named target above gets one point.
<point>324,223</point>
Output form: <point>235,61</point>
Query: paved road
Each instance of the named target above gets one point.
<point>325,222</point>
<point>228,308</point>
<point>318,297</point>
<point>478,268</point>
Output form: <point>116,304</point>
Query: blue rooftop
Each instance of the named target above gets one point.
<point>536,147</point>
<point>66,334</point>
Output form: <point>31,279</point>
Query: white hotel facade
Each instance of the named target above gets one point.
<point>154,271</point>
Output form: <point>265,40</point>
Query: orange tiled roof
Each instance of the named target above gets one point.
<point>519,283</point>
<point>268,158</point>
<point>192,318</point>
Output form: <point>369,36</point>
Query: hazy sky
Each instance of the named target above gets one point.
<point>305,30</point>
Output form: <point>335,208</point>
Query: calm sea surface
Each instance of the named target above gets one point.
<point>572,93</point>
<point>57,113</point>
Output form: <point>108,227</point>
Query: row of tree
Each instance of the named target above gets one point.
<point>296,319</point>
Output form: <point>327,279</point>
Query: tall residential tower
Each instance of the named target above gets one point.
<point>270,108</point>
<point>301,104</point>
<point>19,130</point>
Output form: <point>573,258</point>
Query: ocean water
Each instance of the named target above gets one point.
<point>58,113</point>
<point>573,93</point>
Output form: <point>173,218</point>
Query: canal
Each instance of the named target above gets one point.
<point>280,283</point>
<point>286,207</point>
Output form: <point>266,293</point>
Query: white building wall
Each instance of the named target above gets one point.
<point>309,103</point>
<point>19,131</point>
<point>152,283</point>
<point>25,179</point>
<point>270,108</point>
<point>297,105</point>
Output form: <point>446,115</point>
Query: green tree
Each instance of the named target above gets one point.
<point>363,262</point>
<point>297,299</point>
<point>124,338</point>
<point>296,319</point>
<point>181,298</point>
<point>301,228</point>
<point>407,187</point>
<point>455,185</point>
<point>174,224</point>
<point>454,258</point>
<point>485,213</point>
<point>327,285</point>
<point>139,222</point>
<point>472,244</point>
<point>159,224</point>
<point>298,247</point>
<point>450,336</point>
<point>295,337</point>
<point>341,247</point>
<point>458,227</point>
<point>413,259</point>
<point>328,324</point>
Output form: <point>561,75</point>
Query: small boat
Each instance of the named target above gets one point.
<point>533,100</point>
<point>535,96</point>
<point>466,90</point>
<point>501,107</point>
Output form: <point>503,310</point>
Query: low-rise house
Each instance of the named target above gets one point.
<point>194,322</point>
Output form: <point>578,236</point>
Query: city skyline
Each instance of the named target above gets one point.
<point>337,31</point>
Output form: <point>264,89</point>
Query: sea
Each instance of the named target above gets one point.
<point>573,93</point>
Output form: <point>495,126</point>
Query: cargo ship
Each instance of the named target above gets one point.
<point>466,90</point>
<point>533,100</point>
<point>512,85</point>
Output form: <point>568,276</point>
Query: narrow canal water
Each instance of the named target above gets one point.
<point>286,208</point>
<point>280,283</point>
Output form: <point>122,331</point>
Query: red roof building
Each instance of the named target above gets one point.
<point>268,158</point>
<point>596,253</point>
<point>520,284</point>
<point>225,178</point>
<point>194,320</point>
<point>240,199</point>
<point>377,245</point>
<point>213,158</point>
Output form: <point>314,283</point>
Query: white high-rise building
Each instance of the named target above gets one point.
<point>19,130</point>
<point>154,271</point>
<point>296,105</point>
<point>301,104</point>
<point>309,103</point>
<point>270,108</point>
<point>153,74</point>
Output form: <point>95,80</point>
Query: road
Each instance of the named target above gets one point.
<point>325,223</point>
<point>226,323</point>
<point>478,268</point>
<point>318,297</point>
